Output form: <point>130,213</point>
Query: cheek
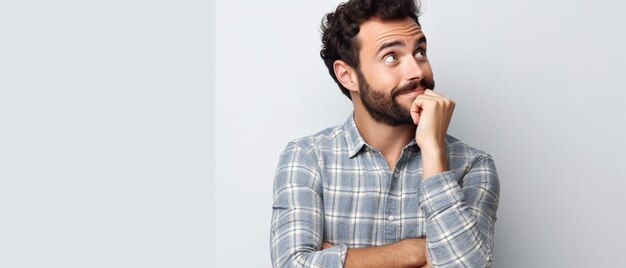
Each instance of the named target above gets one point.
<point>427,70</point>
<point>381,77</point>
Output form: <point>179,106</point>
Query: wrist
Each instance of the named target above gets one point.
<point>434,161</point>
<point>413,251</point>
<point>430,144</point>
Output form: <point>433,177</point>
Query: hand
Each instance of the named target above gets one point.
<point>427,264</point>
<point>327,245</point>
<point>431,113</point>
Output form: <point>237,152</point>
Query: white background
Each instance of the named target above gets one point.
<point>131,137</point>
<point>538,84</point>
<point>106,146</point>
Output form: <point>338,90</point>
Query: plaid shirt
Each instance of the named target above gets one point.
<point>333,187</point>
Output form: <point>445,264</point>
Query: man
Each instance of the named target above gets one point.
<point>389,187</point>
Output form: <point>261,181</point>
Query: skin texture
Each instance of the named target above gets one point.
<point>404,253</point>
<point>392,61</point>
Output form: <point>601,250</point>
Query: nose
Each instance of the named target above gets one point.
<point>413,70</point>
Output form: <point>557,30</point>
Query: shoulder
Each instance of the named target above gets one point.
<point>315,144</point>
<point>462,154</point>
<point>477,166</point>
<point>299,163</point>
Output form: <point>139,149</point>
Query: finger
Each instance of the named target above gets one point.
<point>428,102</point>
<point>418,105</point>
<point>421,101</point>
<point>430,92</point>
<point>416,110</point>
<point>444,101</point>
<point>327,245</point>
<point>428,97</point>
<point>415,115</point>
<point>434,94</point>
<point>440,98</point>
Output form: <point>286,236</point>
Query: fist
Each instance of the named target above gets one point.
<point>431,113</point>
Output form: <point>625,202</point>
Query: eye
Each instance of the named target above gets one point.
<point>420,54</point>
<point>390,58</point>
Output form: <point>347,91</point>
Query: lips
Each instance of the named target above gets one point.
<point>412,93</point>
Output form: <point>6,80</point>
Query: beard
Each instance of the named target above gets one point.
<point>385,108</point>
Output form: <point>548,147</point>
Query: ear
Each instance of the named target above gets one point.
<point>346,75</point>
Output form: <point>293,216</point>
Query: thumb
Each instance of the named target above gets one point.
<point>416,110</point>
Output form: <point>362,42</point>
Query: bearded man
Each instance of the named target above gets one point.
<point>389,187</point>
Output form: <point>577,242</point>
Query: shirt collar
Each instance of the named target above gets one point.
<point>355,140</point>
<point>353,137</point>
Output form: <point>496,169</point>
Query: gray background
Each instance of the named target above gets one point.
<point>106,138</point>
<point>538,85</point>
<point>116,151</point>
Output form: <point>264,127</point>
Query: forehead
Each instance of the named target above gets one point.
<point>375,32</point>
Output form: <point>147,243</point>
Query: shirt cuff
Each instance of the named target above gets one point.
<point>440,191</point>
<point>340,250</point>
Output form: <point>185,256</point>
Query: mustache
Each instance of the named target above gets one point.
<point>425,83</point>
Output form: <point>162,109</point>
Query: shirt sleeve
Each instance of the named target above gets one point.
<point>297,226</point>
<point>460,207</point>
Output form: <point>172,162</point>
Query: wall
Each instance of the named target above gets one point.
<point>106,139</point>
<point>538,84</point>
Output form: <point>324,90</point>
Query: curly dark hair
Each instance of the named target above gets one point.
<point>340,28</point>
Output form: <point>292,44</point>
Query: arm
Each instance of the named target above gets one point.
<point>404,253</point>
<point>460,205</point>
<point>297,224</point>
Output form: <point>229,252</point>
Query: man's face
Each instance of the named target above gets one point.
<point>393,69</point>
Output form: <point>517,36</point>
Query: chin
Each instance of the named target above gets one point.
<point>406,103</point>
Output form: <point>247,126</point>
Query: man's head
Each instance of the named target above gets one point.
<point>375,51</point>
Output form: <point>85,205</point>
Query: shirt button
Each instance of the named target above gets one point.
<point>391,218</point>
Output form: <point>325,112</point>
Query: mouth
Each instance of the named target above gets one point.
<point>412,93</point>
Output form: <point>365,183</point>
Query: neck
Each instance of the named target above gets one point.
<point>389,140</point>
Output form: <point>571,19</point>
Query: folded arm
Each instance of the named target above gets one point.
<point>404,253</point>
<point>460,207</point>
<point>297,225</point>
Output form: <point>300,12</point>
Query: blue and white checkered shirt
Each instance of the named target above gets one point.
<point>333,187</point>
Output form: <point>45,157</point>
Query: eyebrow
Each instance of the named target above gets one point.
<point>384,46</point>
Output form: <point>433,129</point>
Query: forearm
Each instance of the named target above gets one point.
<point>404,253</point>
<point>460,219</point>
<point>457,238</point>
<point>434,161</point>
